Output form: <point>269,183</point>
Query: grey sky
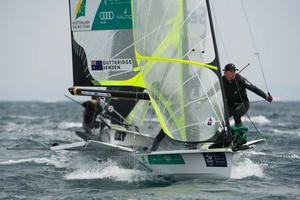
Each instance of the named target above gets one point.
<point>35,51</point>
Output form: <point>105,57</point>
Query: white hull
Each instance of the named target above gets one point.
<point>189,163</point>
<point>201,162</point>
<point>130,139</point>
<point>120,136</point>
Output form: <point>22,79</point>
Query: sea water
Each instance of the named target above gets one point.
<point>269,171</point>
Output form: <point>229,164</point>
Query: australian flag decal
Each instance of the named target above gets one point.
<point>97,65</point>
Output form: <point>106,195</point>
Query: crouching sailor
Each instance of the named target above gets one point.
<point>237,100</point>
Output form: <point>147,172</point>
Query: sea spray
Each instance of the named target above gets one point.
<point>246,168</point>
<point>107,170</point>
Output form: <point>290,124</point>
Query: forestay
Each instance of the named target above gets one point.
<point>174,46</point>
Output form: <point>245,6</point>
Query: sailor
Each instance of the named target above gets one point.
<point>92,109</point>
<point>235,92</point>
<point>159,137</point>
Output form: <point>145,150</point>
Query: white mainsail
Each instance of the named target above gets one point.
<point>174,48</point>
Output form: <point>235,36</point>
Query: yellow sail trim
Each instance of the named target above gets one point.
<point>160,118</point>
<point>172,39</point>
<point>179,121</point>
<point>163,59</point>
<point>136,81</point>
<point>78,7</point>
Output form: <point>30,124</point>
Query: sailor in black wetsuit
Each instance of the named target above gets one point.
<point>159,137</point>
<point>236,96</point>
<point>92,109</point>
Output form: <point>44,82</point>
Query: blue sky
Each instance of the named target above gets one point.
<point>35,50</point>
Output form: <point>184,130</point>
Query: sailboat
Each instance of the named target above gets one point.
<point>103,57</point>
<point>165,52</point>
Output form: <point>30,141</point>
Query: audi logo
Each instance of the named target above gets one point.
<point>106,15</point>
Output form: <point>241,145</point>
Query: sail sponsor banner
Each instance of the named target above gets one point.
<point>102,44</point>
<point>91,15</point>
<point>166,159</point>
<point>112,65</point>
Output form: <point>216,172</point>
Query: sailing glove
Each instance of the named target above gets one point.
<point>269,98</point>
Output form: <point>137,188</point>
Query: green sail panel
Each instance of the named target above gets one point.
<point>113,15</point>
<point>174,47</point>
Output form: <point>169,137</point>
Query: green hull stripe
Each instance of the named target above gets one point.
<point>168,159</point>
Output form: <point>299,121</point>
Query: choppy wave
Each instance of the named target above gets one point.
<point>291,131</point>
<point>260,119</point>
<point>26,117</point>
<point>246,168</point>
<point>255,153</point>
<point>58,160</point>
<point>273,165</point>
<point>294,156</point>
<point>67,125</point>
<point>11,126</point>
<point>28,160</point>
<point>107,170</point>
<point>290,156</point>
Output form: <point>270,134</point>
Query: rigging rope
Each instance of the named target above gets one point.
<point>254,44</point>
<point>220,35</point>
<point>248,116</point>
<point>257,54</point>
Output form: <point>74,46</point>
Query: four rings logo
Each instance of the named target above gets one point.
<point>106,15</point>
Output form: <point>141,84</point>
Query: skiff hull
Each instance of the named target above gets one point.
<point>189,163</point>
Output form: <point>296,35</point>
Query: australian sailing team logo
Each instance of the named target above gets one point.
<point>101,15</point>
<point>80,8</point>
<point>80,22</point>
<point>112,65</point>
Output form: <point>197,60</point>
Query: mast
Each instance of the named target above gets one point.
<point>219,73</point>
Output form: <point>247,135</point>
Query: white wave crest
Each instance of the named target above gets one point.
<point>255,153</point>
<point>28,160</point>
<point>292,131</point>
<point>27,117</point>
<point>107,170</point>
<point>246,168</point>
<point>58,160</point>
<point>66,125</point>
<point>287,155</point>
<point>260,119</point>
<point>10,126</point>
<point>294,156</point>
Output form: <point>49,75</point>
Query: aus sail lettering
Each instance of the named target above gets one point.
<point>112,65</point>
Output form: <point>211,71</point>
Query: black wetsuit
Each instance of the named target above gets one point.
<point>160,136</point>
<point>90,113</point>
<point>236,96</point>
